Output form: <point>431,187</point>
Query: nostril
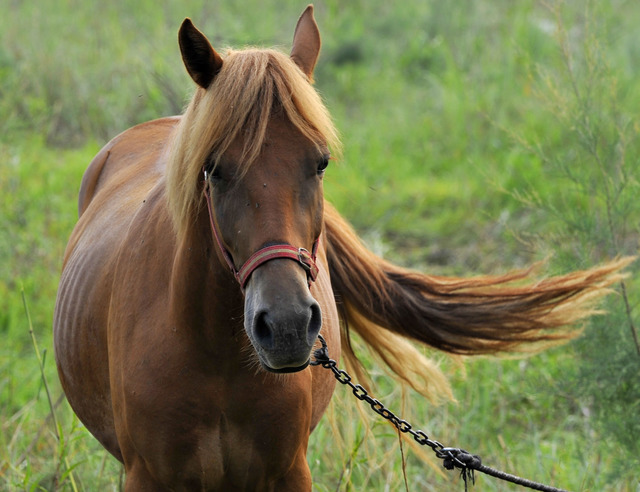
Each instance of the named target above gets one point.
<point>315,323</point>
<point>262,330</point>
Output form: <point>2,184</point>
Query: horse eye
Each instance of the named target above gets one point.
<point>213,172</point>
<point>212,167</point>
<point>322,165</point>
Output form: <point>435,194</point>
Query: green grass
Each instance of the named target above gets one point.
<point>471,146</point>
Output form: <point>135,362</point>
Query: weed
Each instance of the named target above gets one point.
<point>595,216</point>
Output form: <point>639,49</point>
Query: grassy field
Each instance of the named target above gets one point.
<point>479,137</point>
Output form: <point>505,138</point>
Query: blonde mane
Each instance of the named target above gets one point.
<point>252,84</point>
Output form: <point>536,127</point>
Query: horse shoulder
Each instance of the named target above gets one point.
<point>138,145</point>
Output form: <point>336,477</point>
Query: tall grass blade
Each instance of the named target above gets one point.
<point>52,407</point>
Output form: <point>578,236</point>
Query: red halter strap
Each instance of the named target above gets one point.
<point>307,260</point>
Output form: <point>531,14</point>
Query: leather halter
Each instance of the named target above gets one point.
<point>306,259</point>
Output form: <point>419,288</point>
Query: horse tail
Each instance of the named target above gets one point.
<point>478,315</point>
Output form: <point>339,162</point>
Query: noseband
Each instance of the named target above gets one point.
<point>302,256</point>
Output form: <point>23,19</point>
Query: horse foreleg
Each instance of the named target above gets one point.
<point>298,478</point>
<point>138,479</point>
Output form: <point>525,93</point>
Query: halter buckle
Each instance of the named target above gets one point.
<point>305,258</point>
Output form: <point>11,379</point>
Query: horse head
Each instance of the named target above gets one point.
<point>263,182</point>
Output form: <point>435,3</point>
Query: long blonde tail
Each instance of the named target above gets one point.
<point>386,304</point>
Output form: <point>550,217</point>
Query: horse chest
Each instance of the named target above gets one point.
<point>222,433</point>
<point>250,454</point>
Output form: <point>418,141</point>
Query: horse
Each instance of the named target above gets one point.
<point>205,263</point>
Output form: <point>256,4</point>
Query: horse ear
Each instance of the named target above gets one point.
<point>306,42</point>
<point>199,57</point>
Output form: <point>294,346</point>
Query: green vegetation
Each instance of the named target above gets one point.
<point>479,137</point>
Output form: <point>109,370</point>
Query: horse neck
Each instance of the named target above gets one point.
<point>206,299</point>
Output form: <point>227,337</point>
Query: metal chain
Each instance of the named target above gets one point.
<point>452,457</point>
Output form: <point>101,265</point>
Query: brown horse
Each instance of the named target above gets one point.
<point>205,263</point>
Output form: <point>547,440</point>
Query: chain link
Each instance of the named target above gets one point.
<point>322,358</point>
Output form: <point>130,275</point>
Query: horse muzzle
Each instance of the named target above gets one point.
<point>282,319</point>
